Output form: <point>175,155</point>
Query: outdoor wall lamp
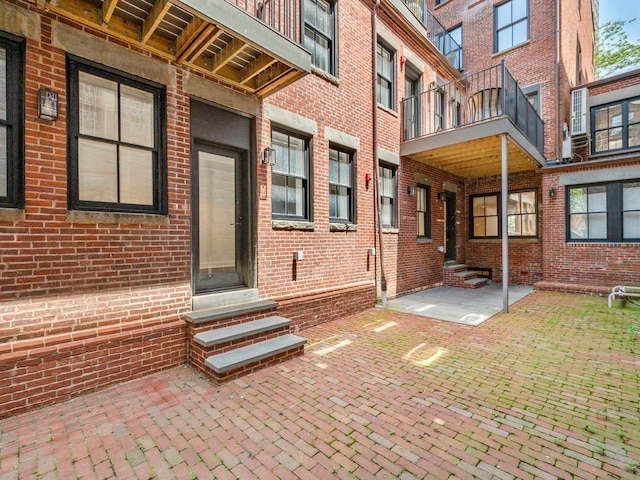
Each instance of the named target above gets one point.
<point>411,190</point>
<point>269,156</point>
<point>552,193</point>
<point>47,104</point>
<point>442,196</point>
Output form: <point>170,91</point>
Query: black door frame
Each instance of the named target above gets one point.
<point>451,229</point>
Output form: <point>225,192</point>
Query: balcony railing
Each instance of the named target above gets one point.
<point>436,33</point>
<point>281,15</point>
<point>475,98</point>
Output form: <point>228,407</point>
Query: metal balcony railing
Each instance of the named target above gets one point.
<point>477,97</point>
<point>436,33</point>
<point>281,15</point>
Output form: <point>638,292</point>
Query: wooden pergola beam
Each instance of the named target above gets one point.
<point>157,13</point>
<point>256,67</point>
<point>228,53</point>
<point>108,7</point>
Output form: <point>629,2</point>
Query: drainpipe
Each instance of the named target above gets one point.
<point>376,180</point>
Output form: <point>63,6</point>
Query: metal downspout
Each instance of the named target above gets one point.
<point>376,180</point>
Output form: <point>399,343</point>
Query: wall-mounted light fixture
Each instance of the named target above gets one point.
<point>269,156</point>
<point>47,104</point>
<point>552,193</point>
<point>411,190</point>
<point>442,196</point>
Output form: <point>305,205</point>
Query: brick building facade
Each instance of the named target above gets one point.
<point>204,169</point>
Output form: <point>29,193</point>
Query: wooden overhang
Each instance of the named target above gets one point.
<point>211,36</point>
<point>475,151</point>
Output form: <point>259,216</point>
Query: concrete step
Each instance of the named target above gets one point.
<point>476,282</point>
<point>455,267</point>
<point>226,311</point>
<point>241,357</point>
<point>466,274</point>
<point>234,332</point>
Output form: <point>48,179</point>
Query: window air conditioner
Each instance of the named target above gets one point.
<point>579,112</point>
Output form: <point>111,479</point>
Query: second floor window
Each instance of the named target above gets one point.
<point>290,177</point>
<point>450,44</point>
<point>386,77</point>
<point>616,126</point>
<point>511,23</point>
<point>341,191</point>
<point>319,33</point>
<point>11,122</point>
<point>116,132</point>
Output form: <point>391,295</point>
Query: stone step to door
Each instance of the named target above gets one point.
<point>241,330</point>
<point>466,274</point>
<point>476,282</point>
<point>227,311</point>
<point>251,354</point>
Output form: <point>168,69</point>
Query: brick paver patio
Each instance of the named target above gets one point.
<point>551,390</point>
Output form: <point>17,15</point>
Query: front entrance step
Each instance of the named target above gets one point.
<point>459,275</point>
<point>227,311</point>
<point>243,360</point>
<point>476,282</point>
<point>242,330</point>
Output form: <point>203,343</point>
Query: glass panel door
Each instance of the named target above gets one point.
<point>218,212</point>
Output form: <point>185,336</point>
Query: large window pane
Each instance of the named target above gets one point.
<point>631,225</point>
<point>136,176</point>
<point>98,107</point>
<point>97,171</point>
<point>278,194</point>
<point>3,84</point>
<point>3,161</point>
<point>280,143</point>
<point>136,116</point>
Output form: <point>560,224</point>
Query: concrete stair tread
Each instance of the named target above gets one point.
<point>465,274</point>
<point>476,281</point>
<point>227,361</point>
<point>246,329</point>
<point>456,267</point>
<point>226,311</point>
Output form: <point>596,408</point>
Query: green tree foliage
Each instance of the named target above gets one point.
<point>614,51</point>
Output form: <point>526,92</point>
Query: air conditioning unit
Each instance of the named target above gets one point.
<point>579,112</point>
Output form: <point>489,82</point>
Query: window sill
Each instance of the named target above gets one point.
<point>12,214</point>
<point>325,75</point>
<point>604,243</point>
<point>613,154</point>
<point>388,110</point>
<point>425,240</point>
<point>82,217</point>
<point>390,230</point>
<point>292,225</point>
<point>511,240</point>
<point>343,227</point>
<point>511,49</point>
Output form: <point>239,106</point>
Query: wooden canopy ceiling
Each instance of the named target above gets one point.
<point>182,33</point>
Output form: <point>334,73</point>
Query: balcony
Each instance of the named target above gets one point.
<point>458,126</point>
<point>251,45</point>
<point>436,33</point>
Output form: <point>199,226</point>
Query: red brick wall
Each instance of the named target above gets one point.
<point>525,255</point>
<point>533,62</point>
<point>584,266</point>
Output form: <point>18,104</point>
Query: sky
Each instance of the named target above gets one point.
<point>622,10</point>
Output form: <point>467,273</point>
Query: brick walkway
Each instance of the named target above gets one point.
<point>550,391</point>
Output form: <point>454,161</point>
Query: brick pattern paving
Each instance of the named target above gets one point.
<point>551,390</point>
